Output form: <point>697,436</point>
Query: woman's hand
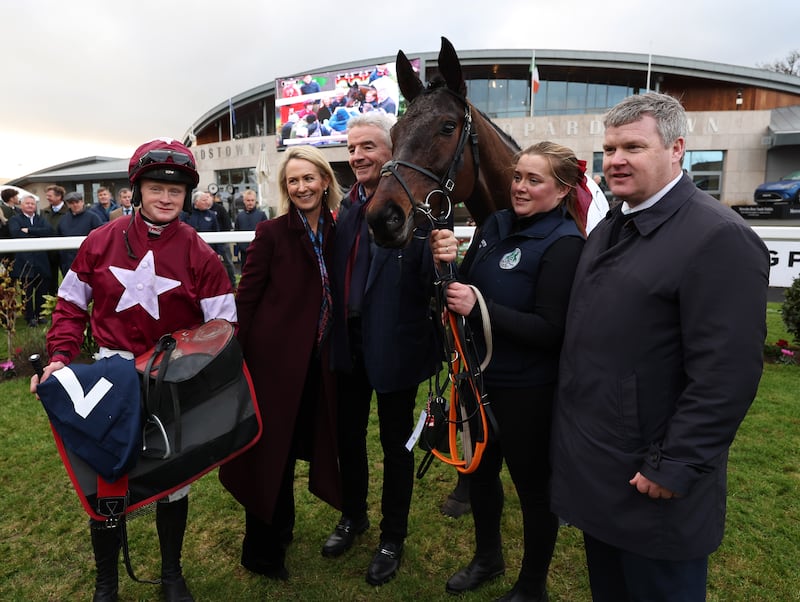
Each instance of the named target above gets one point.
<point>444,246</point>
<point>460,298</point>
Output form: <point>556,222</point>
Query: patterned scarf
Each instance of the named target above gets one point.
<point>325,310</point>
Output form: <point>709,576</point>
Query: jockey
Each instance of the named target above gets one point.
<point>146,276</point>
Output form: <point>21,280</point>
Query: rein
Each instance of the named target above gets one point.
<point>446,183</point>
<point>468,420</point>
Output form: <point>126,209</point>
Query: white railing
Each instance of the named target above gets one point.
<point>783,243</point>
<point>55,243</point>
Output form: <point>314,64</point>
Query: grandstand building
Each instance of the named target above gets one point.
<point>744,121</point>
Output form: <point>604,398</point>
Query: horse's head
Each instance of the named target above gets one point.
<point>434,162</point>
<point>356,95</point>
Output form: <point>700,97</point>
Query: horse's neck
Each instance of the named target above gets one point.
<point>492,190</point>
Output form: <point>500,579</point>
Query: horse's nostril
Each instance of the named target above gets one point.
<point>394,216</point>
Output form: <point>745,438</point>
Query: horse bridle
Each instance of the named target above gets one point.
<point>446,182</point>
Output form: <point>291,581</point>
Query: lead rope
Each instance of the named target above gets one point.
<point>459,415</point>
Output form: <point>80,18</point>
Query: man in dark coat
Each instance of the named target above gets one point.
<point>32,268</point>
<point>54,212</point>
<point>224,249</point>
<point>248,219</point>
<point>661,360</point>
<point>9,205</point>
<point>383,340</point>
<point>105,204</point>
<point>77,222</point>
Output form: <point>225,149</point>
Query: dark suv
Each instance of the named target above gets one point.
<point>787,189</point>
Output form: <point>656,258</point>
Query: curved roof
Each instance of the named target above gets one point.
<point>107,168</point>
<point>573,59</point>
<point>784,126</point>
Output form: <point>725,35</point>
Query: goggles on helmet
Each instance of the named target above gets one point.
<point>166,156</point>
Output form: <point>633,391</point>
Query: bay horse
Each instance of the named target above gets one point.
<point>445,151</point>
<point>357,94</point>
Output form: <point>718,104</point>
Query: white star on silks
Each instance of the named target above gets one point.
<point>142,286</point>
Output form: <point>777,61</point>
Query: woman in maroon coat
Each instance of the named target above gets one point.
<point>284,307</point>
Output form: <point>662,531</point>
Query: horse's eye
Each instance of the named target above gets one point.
<point>448,127</point>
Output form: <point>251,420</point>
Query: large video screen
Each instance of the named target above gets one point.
<point>314,108</point>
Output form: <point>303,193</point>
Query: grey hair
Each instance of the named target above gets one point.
<point>379,119</point>
<point>196,195</point>
<point>668,112</point>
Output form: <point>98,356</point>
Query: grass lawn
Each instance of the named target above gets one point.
<point>45,553</point>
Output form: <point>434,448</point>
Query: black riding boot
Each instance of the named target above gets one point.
<point>171,525</point>
<point>106,544</point>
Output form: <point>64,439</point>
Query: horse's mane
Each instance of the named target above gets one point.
<point>501,132</point>
<point>438,83</point>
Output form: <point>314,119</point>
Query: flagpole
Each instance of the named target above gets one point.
<point>533,75</point>
<point>230,115</point>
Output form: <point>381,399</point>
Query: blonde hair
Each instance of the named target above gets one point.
<point>314,156</point>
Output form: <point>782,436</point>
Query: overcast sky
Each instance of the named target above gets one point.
<point>85,77</point>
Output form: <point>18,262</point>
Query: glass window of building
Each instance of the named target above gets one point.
<point>557,97</point>
<point>705,168</point>
<point>499,90</point>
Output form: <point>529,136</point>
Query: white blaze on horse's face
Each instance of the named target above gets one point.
<point>534,189</point>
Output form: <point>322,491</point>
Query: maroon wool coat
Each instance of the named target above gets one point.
<point>278,304</point>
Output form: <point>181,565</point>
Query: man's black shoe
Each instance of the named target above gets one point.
<point>385,563</point>
<point>475,574</point>
<point>343,536</point>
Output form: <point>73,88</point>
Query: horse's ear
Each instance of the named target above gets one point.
<point>450,68</point>
<point>407,79</point>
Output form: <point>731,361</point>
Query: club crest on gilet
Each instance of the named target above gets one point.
<point>511,259</point>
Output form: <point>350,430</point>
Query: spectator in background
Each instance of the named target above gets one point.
<point>324,111</point>
<point>9,203</point>
<point>124,196</point>
<point>248,219</point>
<point>202,218</point>
<point>309,86</point>
<point>224,248</point>
<point>32,268</point>
<point>339,96</point>
<point>76,222</point>
<point>205,219</point>
<point>387,94</point>
<point>10,207</point>
<point>370,99</point>
<point>308,109</point>
<point>104,205</point>
<point>52,214</point>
